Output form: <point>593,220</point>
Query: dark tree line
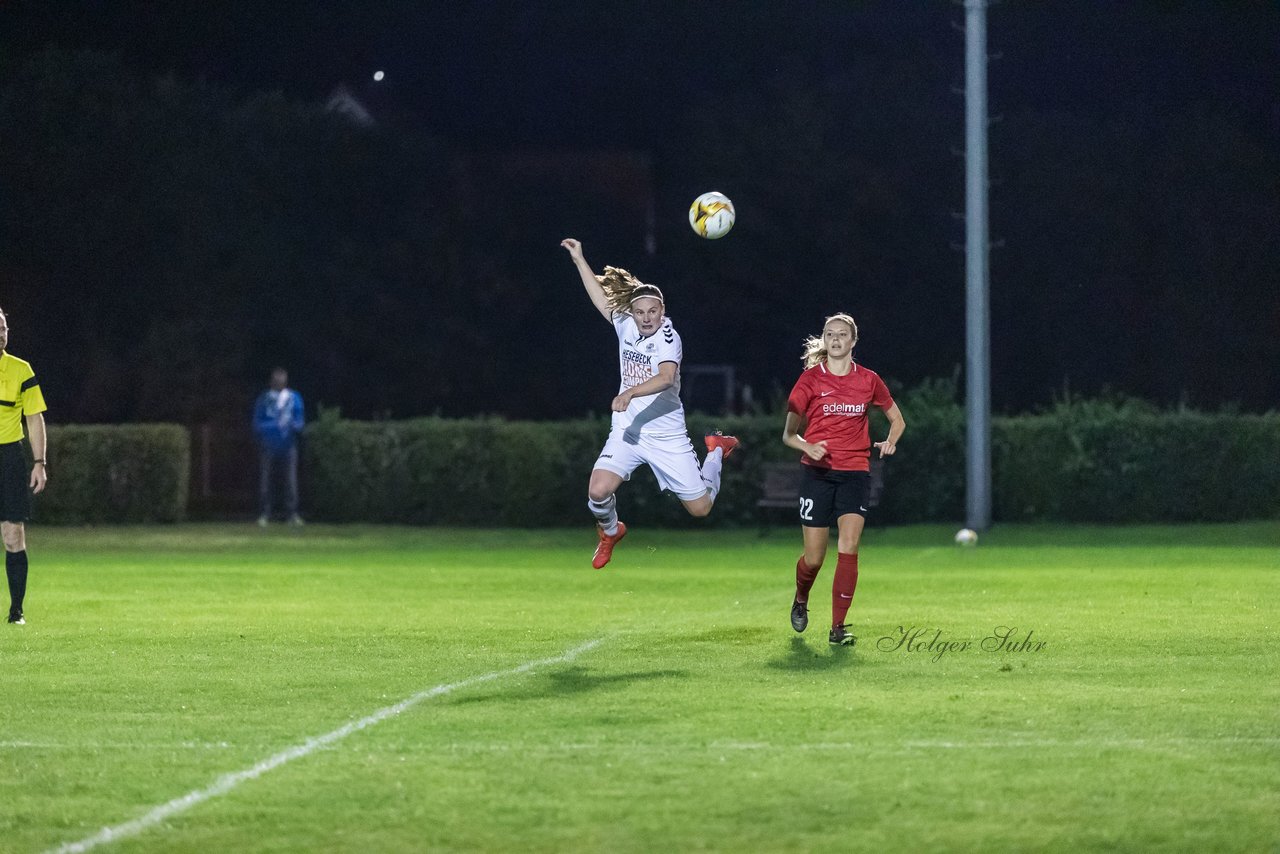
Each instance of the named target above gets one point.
<point>164,243</point>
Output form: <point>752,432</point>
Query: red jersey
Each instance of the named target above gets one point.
<point>835,409</point>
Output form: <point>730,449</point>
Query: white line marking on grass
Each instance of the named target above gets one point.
<point>877,748</point>
<point>1155,742</point>
<point>228,782</point>
<point>118,745</point>
<point>1010,744</point>
<point>598,746</point>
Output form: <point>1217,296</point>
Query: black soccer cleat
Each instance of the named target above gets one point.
<point>799,616</point>
<point>840,637</point>
<point>15,617</point>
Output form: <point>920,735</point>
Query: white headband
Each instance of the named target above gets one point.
<point>658,297</point>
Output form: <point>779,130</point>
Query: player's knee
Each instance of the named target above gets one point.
<point>598,495</point>
<point>699,509</point>
<point>15,539</point>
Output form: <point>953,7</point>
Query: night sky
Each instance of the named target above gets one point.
<point>488,75</point>
<point>586,73</point>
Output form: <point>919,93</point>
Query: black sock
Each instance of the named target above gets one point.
<point>15,566</point>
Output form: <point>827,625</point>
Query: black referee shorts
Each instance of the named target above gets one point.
<point>827,494</point>
<point>15,482</point>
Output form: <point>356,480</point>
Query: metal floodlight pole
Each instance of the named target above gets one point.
<point>977,271</point>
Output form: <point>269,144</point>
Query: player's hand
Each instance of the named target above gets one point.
<point>39,477</point>
<point>621,402</point>
<point>887,448</point>
<point>574,247</point>
<point>815,450</point>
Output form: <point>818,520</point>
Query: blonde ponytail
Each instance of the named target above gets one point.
<point>621,289</point>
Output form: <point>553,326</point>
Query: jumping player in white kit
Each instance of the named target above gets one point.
<point>648,418</point>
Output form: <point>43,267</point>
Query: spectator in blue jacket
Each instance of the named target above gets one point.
<point>277,422</point>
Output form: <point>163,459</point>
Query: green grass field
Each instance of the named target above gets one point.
<point>163,662</point>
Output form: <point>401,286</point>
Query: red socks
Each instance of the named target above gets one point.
<point>804,579</point>
<point>842,588</point>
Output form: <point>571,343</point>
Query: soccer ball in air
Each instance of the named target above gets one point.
<point>712,215</point>
<point>966,537</point>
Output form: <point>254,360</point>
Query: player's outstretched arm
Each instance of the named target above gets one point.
<point>598,299</point>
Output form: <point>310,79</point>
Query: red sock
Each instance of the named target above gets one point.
<point>842,588</point>
<point>804,579</point>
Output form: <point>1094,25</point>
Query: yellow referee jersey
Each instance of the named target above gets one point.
<point>19,395</point>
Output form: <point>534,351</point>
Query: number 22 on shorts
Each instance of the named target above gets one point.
<point>806,509</point>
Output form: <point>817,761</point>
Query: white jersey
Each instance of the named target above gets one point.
<point>657,415</point>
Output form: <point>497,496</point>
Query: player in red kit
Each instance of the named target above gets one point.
<point>827,422</point>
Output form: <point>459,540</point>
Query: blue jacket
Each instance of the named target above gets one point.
<point>278,419</point>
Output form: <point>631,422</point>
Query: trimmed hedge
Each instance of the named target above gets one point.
<point>1098,462</point>
<point>924,480</point>
<point>1091,462</point>
<point>490,472</point>
<point>109,473</point>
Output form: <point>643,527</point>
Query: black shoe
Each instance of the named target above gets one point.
<point>15,617</point>
<point>840,637</point>
<point>799,616</point>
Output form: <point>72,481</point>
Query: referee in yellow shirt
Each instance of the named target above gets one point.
<point>19,396</point>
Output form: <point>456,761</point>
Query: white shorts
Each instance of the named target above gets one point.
<point>672,460</point>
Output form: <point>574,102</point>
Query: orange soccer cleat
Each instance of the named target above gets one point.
<point>604,551</point>
<point>719,440</point>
